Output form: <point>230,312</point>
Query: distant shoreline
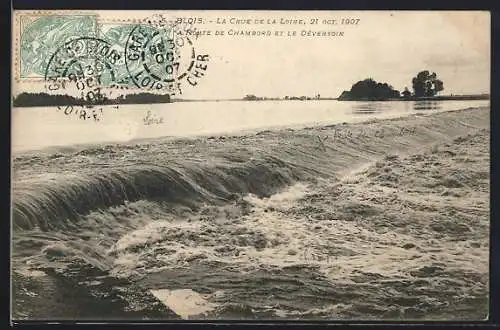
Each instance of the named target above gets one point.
<point>412,99</point>
<point>26,100</point>
<point>430,98</point>
<point>427,98</point>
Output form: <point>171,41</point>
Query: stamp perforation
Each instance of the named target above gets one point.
<point>154,22</point>
<point>18,35</point>
<point>44,13</point>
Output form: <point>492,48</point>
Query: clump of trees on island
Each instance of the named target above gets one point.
<point>425,84</point>
<point>44,99</point>
<point>369,89</point>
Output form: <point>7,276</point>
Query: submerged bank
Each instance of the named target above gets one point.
<point>211,215</point>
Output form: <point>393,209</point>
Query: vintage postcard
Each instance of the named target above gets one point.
<point>250,165</point>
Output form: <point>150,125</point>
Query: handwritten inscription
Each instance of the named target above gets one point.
<point>380,133</point>
<point>152,119</point>
<point>310,254</point>
<point>346,134</point>
<point>321,143</point>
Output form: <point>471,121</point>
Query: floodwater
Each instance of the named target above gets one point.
<point>36,128</point>
<point>308,223</point>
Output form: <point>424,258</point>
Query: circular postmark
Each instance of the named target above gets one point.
<point>162,58</point>
<point>81,67</point>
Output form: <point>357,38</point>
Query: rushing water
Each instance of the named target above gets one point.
<point>35,128</point>
<point>263,225</point>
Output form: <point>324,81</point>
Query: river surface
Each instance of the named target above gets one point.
<point>390,222</point>
<point>37,128</point>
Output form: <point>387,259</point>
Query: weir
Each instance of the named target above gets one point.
<point>67,213</point>
<point>216,170</point>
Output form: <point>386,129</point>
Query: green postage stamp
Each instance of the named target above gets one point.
<point>70,52</point>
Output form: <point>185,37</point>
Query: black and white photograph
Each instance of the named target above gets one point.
<point>250,165</point>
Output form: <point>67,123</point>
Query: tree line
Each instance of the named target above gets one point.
<point>425,84</point>
<point>44,99</point>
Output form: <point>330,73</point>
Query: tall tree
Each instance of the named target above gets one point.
<point>426,84</point>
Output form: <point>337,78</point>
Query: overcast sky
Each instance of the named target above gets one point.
<point>387,46</point>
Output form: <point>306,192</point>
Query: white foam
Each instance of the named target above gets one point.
<point>184,302</point>
<point>30,272</point>
<point>281,199</point>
